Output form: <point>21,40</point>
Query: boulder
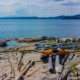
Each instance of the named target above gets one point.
<point>78,39</point>
<point>36,39</point>
<point>31,39</point>
<point>74,40</point>
<point>3,44</point>
<point>67,40</point>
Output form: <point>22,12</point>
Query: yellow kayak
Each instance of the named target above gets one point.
<point>58,51</point>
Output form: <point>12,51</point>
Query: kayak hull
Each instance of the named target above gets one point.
<point>58,51</point>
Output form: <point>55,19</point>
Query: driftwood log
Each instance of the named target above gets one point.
<point>64,59</point>
<point>58,66</point>
<point>26,65</point>
<point>50,63</point>
<point>24,71</point>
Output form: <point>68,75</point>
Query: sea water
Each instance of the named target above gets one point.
<point>18,28</point>
<point>12,44</point>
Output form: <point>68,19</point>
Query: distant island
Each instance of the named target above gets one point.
<point>71,18</point>
<point>57,17</point>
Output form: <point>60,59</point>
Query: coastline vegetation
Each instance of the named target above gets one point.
<point>74,69</point>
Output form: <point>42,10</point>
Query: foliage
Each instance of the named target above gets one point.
<point>74,69</point>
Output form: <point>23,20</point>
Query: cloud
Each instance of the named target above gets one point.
<point>0,5</point>
<point>70,3</point>
<point>40,8</point>
<point>53,0</point>
<point>58,0</point>
<point>16,3</point>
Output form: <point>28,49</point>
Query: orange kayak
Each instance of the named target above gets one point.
<point>58,51</point>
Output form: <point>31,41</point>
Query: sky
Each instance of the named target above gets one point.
<point>38,8</point>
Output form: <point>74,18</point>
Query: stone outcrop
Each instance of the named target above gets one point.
<point>14,59</point>
<point>68,64</point>
<point>3,44</point>
<point>6,40</point>
<point>35,39</point>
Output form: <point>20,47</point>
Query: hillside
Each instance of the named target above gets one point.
<point>57,17</point>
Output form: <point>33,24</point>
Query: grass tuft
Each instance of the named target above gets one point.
<point>74,69</point>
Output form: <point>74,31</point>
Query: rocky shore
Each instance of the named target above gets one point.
<point>14,59</point>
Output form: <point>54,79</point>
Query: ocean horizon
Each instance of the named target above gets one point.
<point>19,28</point>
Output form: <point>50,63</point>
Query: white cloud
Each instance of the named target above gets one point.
<point>40,8</point>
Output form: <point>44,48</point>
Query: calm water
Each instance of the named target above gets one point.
<point>18,28</point>
<point>12,44</point>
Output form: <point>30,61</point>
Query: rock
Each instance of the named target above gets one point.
<point>12,39</point>
<point>74,40</point>
<point>35,39</point>
<point>3,50</point>
<point>67,40</point>
<point>73,78</point>
<point>21,40</point>
<point>78,39</point>
<point>10,49</point>
<point>79,73</point>
<point>3,44</point>
<point>11,61</point>
<point>6,40</point>
<point>36,45</point>
<point>78,66</point>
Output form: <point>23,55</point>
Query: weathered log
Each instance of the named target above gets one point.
<point>26,65</point>
<point>58,66</point>
<point>50,63</point>
<point>60,78</point>
<point>71,56</point>
<point>64,59</point>
<point>24,71</point>
<point>65,74</point>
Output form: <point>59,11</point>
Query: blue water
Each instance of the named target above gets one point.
<point>18,28</point>
<point>11,44</point>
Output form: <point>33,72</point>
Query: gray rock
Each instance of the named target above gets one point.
<point>78,40</point>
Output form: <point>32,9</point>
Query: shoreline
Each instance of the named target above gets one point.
<point>40,39</point>
<point>14,59</point>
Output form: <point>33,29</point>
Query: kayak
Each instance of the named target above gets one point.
<point>63,43</point>
<point>58,51</point>
<point>52,42</point>
<point>61,46</point>
<point>70,42</point>
<point>65,46</point>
